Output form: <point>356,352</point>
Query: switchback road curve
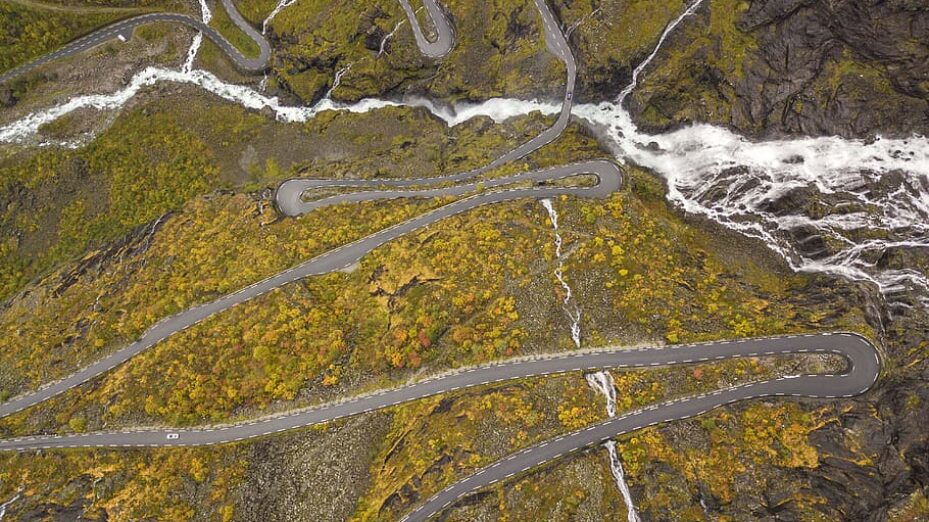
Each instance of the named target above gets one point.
<point>862,370</point>
<point>289,195</point>
<point>105,34</point>
<point>444,37</point>
<point>556,43</point>
<point>862,357</point>
<point>609,180</point>
<point>861,373</point>
<point>289,200</point>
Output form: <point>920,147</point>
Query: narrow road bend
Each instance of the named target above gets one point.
<point>110,32</point>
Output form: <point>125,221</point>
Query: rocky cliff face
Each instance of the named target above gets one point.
<point>874,452</point>
<point>498,52</point>
<point>853,68</point>
<point>773,68</point>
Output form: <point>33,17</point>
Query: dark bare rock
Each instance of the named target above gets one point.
<point>854,68</point>
<point>314,475</point>
<point>7,99</point>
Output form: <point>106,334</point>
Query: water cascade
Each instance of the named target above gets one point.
<point>602,382</point>
<point>877,191</point>
<point>570,307</point>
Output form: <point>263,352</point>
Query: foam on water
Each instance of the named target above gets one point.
<point>205,15</point>
<point>870,199</point>
<point>603,383</point>
<point>498,109</point>
<point>571,309</point>
<point>26,129</point>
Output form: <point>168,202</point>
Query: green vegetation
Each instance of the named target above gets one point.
<point>107,239</point>
<point>499,51</point>
<point>174,484</point>
<point>452,295</point>
<point>201,252</point>
<point>28,31</point>
<point>435,442</point>
<point>178,166</point>
<point>611,38</point>
<point>85,198</point>
<point>668,280</point>
<point>916,508</point>
<point>143,167</point>
<point>429,444</point>
<point>678,87</point>
<point>222,23</point>
<point>75,5</point>
<point>255,11</point>
<point>726,65</point>
<point>199,255</point>
<point>848,73</point>
<point>732,445</point>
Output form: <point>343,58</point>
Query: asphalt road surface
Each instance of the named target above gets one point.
<point>861,373</point>
<point>862,370</point>
<point>444,37</point>
<point>609,181</point>
<point>125,27</point>
<point>862,357</point>
<point>288,197</point>
<point>556,43</point>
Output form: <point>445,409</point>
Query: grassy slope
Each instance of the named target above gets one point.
<point>183,158</point>
<point>719,292</point>
<point>63,202</point>
<point>32,28</point>
<point>29,31</point>
<point>236,37</point>
<point>498,51</point>
<point>465,293</point>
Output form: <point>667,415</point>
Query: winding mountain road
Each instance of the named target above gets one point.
<point>863,360</point>
<point>862,370</point>
<point>444,36</point>
<point>556,43</point>
<point>125,27</point>
<point>289,200</point>
<point>609,181</point>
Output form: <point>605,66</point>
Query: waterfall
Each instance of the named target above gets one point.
<point>570,307</point>
<point>878,190</point>
<point>6,504</point>
<point>602,382</point>
<point>274,12</point>
<point>664,35</point>
<point>192,53</point>
<point>206,15</point>
<point>388,36</point>
<point>337,80</point>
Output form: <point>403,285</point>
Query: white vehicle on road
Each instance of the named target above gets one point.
<point>173,436</point>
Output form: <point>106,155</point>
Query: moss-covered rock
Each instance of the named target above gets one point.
<point>771,68</point>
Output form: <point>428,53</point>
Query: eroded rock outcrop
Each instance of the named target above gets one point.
<point>814,67</point>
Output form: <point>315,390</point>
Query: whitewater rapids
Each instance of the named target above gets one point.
<point>868,200</point>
